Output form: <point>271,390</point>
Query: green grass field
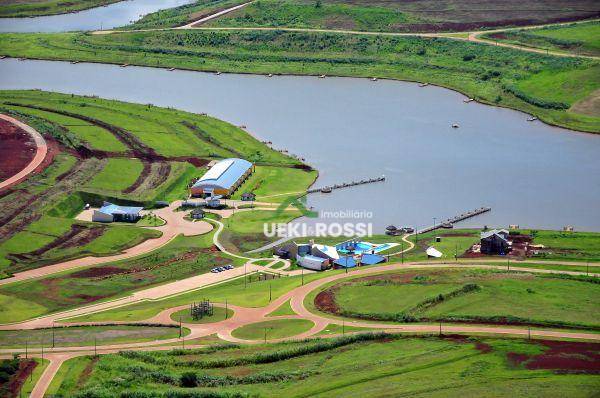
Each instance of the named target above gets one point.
<point>20,250</point>
<point>31,8</point>
<point>467,295</point>
<point>373,15</point>
<point>351,366</point>
<point>85,336</point>
<point>304,14</point>
<point>580,38</point>
<point>275,329</point>
<point>117,175</point>
<point>182,257</point>
<point>490,74</point>
<point>271,184</point>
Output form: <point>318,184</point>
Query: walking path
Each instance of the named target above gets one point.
<point>213,16</point>
<point>40,154</point>
<point>175,225</point>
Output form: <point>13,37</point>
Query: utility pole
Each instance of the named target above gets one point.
<point>456,253</point>
<point>270,293</point>
<point>245,275</point>
<point>95,347</point>
<point>508,264</point>
<point>52,334</point>
<point>265,335</point>
<point>434,218</point>
<point>226,309</point>
<point>180,333</point>
<point>26,343</point>
<point>343,328</point>
<point>302,272</point>
<point>402,251</point>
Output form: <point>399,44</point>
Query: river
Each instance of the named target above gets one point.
<point>531,174</point>
<point>108,17</point>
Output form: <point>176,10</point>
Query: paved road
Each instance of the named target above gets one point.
<point>40,154</point>
<point>175,225</point>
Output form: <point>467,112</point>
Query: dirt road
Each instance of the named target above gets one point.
<point>40,154</point>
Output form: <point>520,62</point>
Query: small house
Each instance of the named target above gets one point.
<point>214,201</point>
<point>110,212</point>
<point>248,197</point>
<point>197,214</point>
<point>495,242</point>
<point>312,262</point>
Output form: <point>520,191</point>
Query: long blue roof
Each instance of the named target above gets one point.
<point>346,262</point>
<point>110,208</point>
<point>224,173</point>
<point>370,259</point>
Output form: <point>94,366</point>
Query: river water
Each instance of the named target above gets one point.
<point>108,17</point>
<point>530,173</point>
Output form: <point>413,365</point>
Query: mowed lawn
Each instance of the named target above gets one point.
<point>274,329</point>
<point>498,294</point>
<point>276,184</point>
<point>577,38</point>
<point>117,175</point>
<point>181,258</point>
<point>85,335</point>
<point>351,366</point>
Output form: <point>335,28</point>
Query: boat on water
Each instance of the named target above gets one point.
<point>326,190</point>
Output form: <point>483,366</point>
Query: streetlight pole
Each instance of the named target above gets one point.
<point>434,218</point>
<point>245,275</point>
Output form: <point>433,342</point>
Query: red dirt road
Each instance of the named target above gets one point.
<point>15,158</point>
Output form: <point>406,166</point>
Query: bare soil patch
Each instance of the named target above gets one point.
<point>562,357</point>
<point>17,149</point>
<point>588,106</point>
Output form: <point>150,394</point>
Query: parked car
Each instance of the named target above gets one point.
<point>220,269</point>
<point>214,270</point>
<point>229,266</point>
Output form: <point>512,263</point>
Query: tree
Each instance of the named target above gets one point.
<point>318,4</point>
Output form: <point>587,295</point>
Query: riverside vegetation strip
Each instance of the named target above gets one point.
<point>546,86</point>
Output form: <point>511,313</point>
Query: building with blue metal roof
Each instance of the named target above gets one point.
<point>223,178</point>
<point>110,212</point>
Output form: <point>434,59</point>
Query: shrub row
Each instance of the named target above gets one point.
<point>275,356</point>
<point>536,101</point>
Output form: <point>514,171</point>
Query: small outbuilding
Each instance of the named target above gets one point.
<point>248,197</point>
<point>312,262</point>
<point>433,252</point>
<point>495,242</point>
<point>110,212</point>
<point>197,214</point>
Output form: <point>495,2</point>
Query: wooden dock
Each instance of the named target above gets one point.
<point>449,223</point>
<point>330,188</point>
